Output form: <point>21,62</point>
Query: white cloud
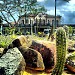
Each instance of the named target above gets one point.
<point>72,2</point>
<point>1,2</point>
<point>51,12</point>
<point>40,0</point>
<point>69,6</point>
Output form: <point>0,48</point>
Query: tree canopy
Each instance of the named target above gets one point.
<point>12,9</point>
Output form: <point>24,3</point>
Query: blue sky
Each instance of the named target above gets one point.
<point>65,9</point>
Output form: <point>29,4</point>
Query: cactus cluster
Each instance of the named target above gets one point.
<point>67,30</point>
<point>60,51</point>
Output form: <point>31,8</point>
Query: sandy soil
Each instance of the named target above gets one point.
<point>32,72</point>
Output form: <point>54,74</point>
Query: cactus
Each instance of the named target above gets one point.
<point>67,30</point>
<point>61,52</point>
<point>51,32</point>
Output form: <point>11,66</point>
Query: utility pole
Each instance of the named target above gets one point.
<point>55,15</point>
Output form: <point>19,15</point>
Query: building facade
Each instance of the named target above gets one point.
<point>36,23</point>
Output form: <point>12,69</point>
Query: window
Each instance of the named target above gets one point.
<point>57,23</point>
<point>40,14</point>
<point>26,20</point>
<point>30,21</point>
<point>40,21</point>
<point>48,21</point>
<point>22,21</point>
<point>36,20</point>
<point>44,22</point>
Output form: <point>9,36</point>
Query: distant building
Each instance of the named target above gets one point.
<point>38,22</point>
<point>35,23</point>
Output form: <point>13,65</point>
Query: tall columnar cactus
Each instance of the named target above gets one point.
<point>51,32</point>
<point>60,51</point>
<point>67,30</point>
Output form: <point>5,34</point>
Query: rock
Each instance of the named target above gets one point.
<point>48,52</point>
<point>1,51</point>
<point>2,71</point>
<point>71,49</point>
<point>74,45</point>
<point>33,58</point>
<point>21,41</point>
<point>12,62</point>
<point>70,62</point>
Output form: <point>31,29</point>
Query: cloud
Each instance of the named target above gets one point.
<point>40,0</point>
<point>69,17</point>
<point>65,9</point>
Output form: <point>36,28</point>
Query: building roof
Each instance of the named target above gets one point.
<point>46,15</point>
<point>52,16</point>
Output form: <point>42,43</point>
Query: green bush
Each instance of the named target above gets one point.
<point>41,34</point>
<point>27,33</point>
<point>19,33</point>
<point>6,40</point>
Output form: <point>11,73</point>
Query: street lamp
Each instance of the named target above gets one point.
<point>55,13</point>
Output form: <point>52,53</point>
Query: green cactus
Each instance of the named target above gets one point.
<point>67,30</point>
<point>60,52</point>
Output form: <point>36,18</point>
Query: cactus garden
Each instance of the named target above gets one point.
<point>37,55</point>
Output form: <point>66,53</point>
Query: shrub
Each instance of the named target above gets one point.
<point>6,40</point>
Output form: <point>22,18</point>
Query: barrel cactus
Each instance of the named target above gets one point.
<point>67,30</point>
<point>60,51</point>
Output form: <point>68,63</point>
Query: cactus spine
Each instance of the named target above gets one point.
<point>61,52</point>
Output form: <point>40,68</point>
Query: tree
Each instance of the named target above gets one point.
<point>38,9</point>
<point>11,8</point>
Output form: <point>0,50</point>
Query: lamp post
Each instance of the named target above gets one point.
<point>55,14</point>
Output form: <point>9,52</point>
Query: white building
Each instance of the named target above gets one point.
<point>39,22</point>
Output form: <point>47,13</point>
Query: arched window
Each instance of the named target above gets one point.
<point>40,21</point>
<point>36,20</point>
<point>22,21</point>
<point>27,20</point>
<point>44,22</point>
<point>48,21</point>
<point>57,23</point>
<point>30,21</point>
<point>53,22</point>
